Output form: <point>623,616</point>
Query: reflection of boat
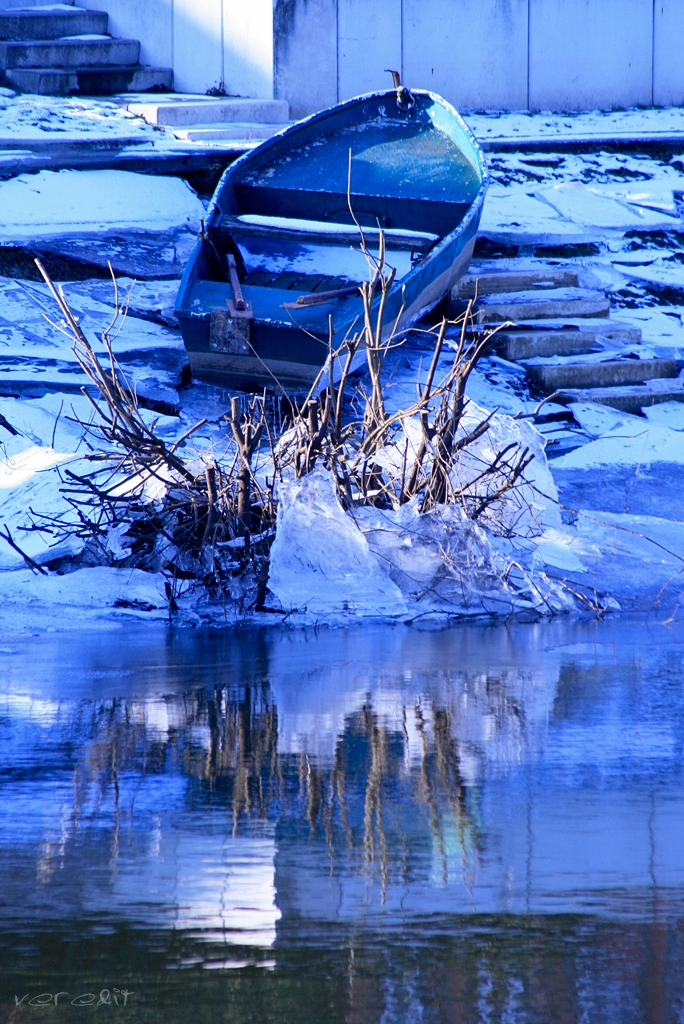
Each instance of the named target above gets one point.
<point>281,253</point>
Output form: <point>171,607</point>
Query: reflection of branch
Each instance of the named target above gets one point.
<point>449,770</point>
<point>433,815</point>
<point>339,789</point>
<point>372,818</point>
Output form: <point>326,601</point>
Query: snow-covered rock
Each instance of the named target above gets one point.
<point>72,601</point>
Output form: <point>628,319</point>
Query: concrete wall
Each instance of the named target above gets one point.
<point>367,27</point>
<point>480,54</point>
<point>248,48</point>
<point>590,54</point>
<point>668,55</point>
<point>471,51</point>
<point>150,22</point>
<point>305,54</point>
<point>484,54</point>
<point>206,42</point>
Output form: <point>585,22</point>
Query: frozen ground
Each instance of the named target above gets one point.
<point>594,124</point>
<point>72,204</point>
<point>617,534</point>
<point>27,120</point>
<point>556,198</point>
<point>48,119</point>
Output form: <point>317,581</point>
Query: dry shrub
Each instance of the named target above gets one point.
<point>207,522</point>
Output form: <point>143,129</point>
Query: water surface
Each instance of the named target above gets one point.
<point>384,825</point>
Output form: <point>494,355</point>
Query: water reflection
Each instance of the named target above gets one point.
<point>484,823</point>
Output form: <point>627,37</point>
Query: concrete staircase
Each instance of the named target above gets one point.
<point>64,50</point>
<point>220,119</point>
<point>564,338</point>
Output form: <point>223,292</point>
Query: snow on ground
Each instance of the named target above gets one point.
<point>26,333</point>
<point>26,120</point>
<point>48,118</point>
<point>623,468</point>
<point>598,124</point>
<point>572,212</point>
<point>67,203</point>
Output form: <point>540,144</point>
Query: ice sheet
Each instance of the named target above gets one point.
<point>597,123</point>
<point>26,333</point>
<point>639,557</point>
<point>661,326</point>
<point>627,444</point>
<point>509,214</point>
<point>665,275</point>
<point>328,565</point>
<point>668,414</point>
<point>612,206</point>
<point>99,595</point>
<point>80,203</point>
<point>573,212</point>
<point>641,257</point>
<point>321,563</point>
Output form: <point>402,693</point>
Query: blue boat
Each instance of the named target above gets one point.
<point>280,258</point>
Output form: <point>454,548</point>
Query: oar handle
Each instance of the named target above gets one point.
<point>235,284</point>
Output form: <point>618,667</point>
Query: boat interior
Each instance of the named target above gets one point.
<point>406,177</point>
<point>291,214</point>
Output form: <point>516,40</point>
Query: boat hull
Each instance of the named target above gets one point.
<point>258,369</point>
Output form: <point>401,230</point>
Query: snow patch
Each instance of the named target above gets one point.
<point>77,203</point>
<point>627,443</point>
<point>80,596</point>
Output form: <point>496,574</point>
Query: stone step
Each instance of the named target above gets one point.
<point>555,304</point>
<point>612,373</point>
<point>627,399</point>
<point>566,341</point>
<point>490,282</point>
<point>77,52</point>
<point>190,111</point>
<point>13,5</point>
<point>228,132</point>
<point>90,81</point>
<point>40,24</point>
